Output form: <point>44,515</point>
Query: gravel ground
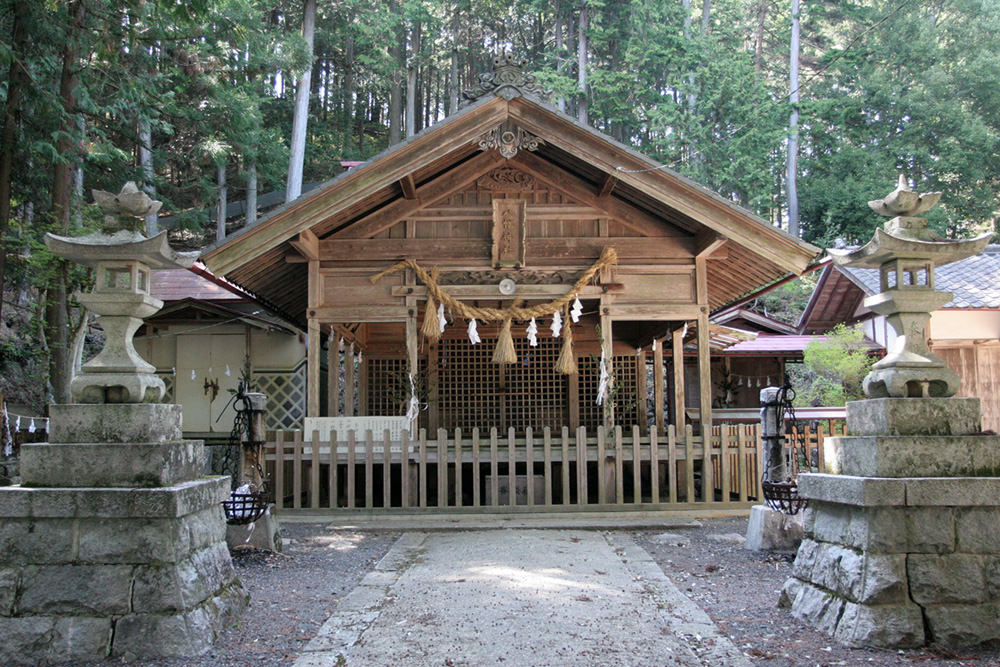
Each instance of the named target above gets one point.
<point>739,590</point>
<point>292,595</point>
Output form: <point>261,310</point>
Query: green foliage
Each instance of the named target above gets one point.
<point>787,302</point>
<point>832,370</point>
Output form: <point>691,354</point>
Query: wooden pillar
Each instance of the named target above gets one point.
<point>361,402</point>
<point>680,416</point>
<point>313,368</point>
<point>332,373</point>
<point>640,393</point>
<point>349,381</point>
<point>433,404</point>
<point>704,377</point>
<point>314,347</point>
<point>658,387</point>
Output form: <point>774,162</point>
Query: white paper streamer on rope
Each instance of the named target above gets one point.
<point>31,426</point>
<point>473,332</point>
<point>340,344</point>
<point>46,425</point>
<point>604,381</point>
<point>556,325</point>
<point>413,411</point>
<point>17,423</point>
<point>8,441</point>
<point>193,376</point>
<point>228,372</point>
<point>359,357</point>
<point>441,320</point>
<point>532,332</point>
<point>576,311</point>
<point>654,345</point>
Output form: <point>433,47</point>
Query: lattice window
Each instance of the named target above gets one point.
<point>473,391</point>
<point>389,387</point>
<point>286,396</point>
<point>169,380</point>
<point>469,392</point>
<point>591,414</point>
<point>536,393</point>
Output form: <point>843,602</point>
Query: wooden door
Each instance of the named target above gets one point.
<point>202,384</point>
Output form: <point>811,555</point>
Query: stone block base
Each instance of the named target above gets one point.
<point>90,573</point>
<point>263,534</point>
<point>770,530</point>
<point>896,563</point>
<point>98,464</point>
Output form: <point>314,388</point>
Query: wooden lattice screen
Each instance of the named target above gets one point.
<point>389,387</point>
<point>473,391</point>
<point>591,414</point>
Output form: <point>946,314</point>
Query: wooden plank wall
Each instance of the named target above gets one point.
<point>978,366</point>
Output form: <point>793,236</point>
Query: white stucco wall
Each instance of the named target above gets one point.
<point>965,325</point>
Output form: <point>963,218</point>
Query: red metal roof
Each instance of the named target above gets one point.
<point>177,284</point>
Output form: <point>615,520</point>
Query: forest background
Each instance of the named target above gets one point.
<point>194,100</point>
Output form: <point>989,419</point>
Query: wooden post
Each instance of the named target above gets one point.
<point>705,378</point>
<point>679,416</point>
<point>349,381</point>
<point>658,386</point>
<point>640,392</point>
<point>433,413</point>
<point>332,373</point>
<point>409,468</point>
<point>313,368</point>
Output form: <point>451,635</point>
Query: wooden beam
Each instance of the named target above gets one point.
<point>307,244</point>
<point>454,179</point>
<point>493,291</point>
<point>632,217</point>
<point>693,201</point>
<point>708,243</point>
<point>665,312</point>
<point>408,187</point>
<point>584,249</point>
<point>450,135</point>
<point>607,186</point>
<point>360,313</point>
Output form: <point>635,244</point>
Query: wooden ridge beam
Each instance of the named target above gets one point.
<point>391,213</point>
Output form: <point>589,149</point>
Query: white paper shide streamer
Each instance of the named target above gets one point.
<point>604,381</point>
<point>532,332</point>
<point>8,441</point>
<point>473,332</point>
<point>441,320</point>
<point>576,311</point>
<point>557,324</point>
<point>413,411</point>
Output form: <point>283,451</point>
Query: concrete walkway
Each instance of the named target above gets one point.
<point>518,597</point>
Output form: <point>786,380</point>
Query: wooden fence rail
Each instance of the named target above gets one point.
<point>528,470</point>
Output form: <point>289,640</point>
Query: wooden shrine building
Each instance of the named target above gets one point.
<point>503,206</point>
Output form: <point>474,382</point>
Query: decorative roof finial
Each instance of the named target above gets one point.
<point>507,80</point>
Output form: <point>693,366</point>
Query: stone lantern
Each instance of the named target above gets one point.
<point>114,543</point>
<point>905,253</point>
<point>902,533</point>
<point>122,258</point>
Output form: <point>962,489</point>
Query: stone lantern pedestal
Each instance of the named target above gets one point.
<point>902,532</point>
<point>114,542</point>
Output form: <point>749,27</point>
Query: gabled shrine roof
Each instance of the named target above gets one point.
<point>571,157</point>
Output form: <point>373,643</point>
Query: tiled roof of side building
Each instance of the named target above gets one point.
<point>974,282</point>
<point>177,284</point>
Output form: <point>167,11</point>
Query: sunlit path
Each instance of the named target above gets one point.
<point>518,597</point>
